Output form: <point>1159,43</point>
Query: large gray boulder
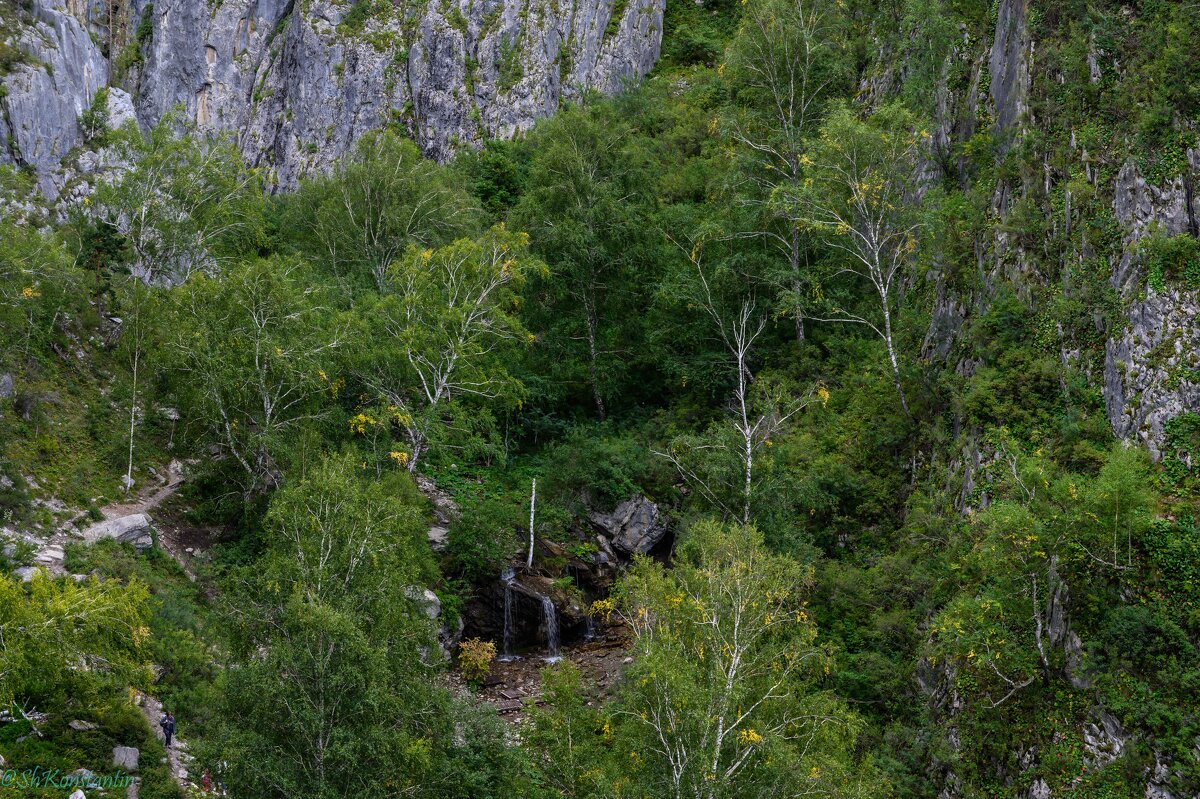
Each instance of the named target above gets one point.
<point>125,757</point>
<point>136,529</point>
<point>635,526</point>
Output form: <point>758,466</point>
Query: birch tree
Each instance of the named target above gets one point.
<point>186,204</point>
<point>331,696</point>
<point>721,466</point>
<point>783,65</point>
<point>723,698</point>
<point>585,207</point>
<point>249,352</point>
<point>858,195</point>
<point>381,198</point>
<point>448,317</point>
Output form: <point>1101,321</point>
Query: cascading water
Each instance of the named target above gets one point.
<point>589,628</point>
<point>550,619</point>
<point>508,578</point>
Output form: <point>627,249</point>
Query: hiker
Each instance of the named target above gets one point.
<point>168,727</point>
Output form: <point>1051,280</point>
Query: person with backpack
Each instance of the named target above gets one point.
<point>168,727</point>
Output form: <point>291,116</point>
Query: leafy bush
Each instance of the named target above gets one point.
<point>475,658</point>
<point>1139,638</point>
<point>1174,259</point>
<point>485,536</point>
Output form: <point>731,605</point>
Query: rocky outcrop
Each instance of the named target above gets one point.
<point>634,527</point>
<point>45,94</point>
<point>1152,366</point>
<point>297,85</point>
<point>125,757</point>
<point>1008,63</point>
<point>136,529</point>
<point>445,512</point>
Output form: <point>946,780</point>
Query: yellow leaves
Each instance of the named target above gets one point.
<point>30,292</point>
<point>805,160</point>
<point>814,773</point>
<point>603,608</point>
<point>361,423</point>
<point>530,338</point>
<point>426,255</point>
<point>822,394</point>
<point>140,634</point>
<point>750,736</point>
<point>399,456</point>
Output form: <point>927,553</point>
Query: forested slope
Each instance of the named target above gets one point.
<point>831,398</point>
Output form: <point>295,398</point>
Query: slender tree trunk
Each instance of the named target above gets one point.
<point>593,354</point>
<point>887,337</point>
<point>794,257</point>
<point>532,509</point>
<point>137,354</point>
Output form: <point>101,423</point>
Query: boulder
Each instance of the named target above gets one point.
<point>77,794</point>
<point>136,529</point>
<point>426,600</point>
<point>125,757</point>
<point>6,385</point>
<point>82,726</point>
<point>1039,790</point>
<point>635,526</point>
<point>24,574</point>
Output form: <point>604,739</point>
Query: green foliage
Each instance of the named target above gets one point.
<point>485,537</point>
<point>189,204</point>
<point>726,679</point>
<point>94,121</point>
<point>48,625</point>
<point>379,201</point>
<point>246,351</point>
<point>1174,259</point>
<point>510,68</point>
<point>443,328</point>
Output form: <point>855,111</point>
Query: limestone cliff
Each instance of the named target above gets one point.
<point>297,83</point>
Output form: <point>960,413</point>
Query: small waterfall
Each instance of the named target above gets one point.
<point>550,617</point>
<point>508,578</point>
<point>589,628</point>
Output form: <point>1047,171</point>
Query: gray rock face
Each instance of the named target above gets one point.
<point>634,527</point>
<point>1008,63</point>
<point>6,385</point>
<point>44,97</point>
<point>136,529</point>
<point>297,85</point>
<point>1103,740</point>
<point>445,512</point>
<point>1039,790</point>
<point>1152,367</point>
